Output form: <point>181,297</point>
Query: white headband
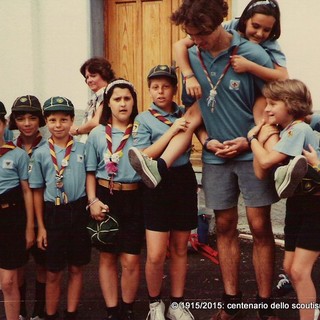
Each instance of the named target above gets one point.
<point>120,81</point>
<point>264,2</point>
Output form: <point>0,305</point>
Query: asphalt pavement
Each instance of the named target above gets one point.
<point>203,287</point>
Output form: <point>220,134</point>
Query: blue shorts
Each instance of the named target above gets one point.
<point>223,183</point>
<point>67,235</point>
<point>172,205</point>
<point>302,223</point>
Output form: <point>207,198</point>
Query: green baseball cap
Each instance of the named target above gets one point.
<point>58,104</point>
<point>3,110</point>
<point>26,103</point>
<point>162,70</point>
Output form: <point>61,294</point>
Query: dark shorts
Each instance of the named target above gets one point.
<point>126,207</point>
<point>302,223</point>
<point>68,239</point>
<point>172,205</point>
<point>13,253</point>
<point>39,256</point>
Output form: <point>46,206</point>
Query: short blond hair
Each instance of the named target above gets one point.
<point>294,93</point>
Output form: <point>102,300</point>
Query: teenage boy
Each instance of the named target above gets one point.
<point>57,177</point>
<point>170,209</point>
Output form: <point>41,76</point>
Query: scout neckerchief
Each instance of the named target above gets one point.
<point>33,145</point>
<point>112,158</point>
<point>211,100</point>
<point>6,148</point>
<point>162,118</point>
<point>59,172</point>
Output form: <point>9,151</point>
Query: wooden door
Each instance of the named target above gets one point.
<point>139,35</point>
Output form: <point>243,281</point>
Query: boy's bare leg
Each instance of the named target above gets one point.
<point>181,142</point>
<point>53,291</point>
<point>74,287</point>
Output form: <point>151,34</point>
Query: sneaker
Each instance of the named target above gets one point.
<point>156,311</point>
<point>288,177</point>
<point>179,313</point>
<point>222,315</point>
<point>37,318</point>
<point>127,315</point>
<point>283,287</point>
<point>145,167</point>
<point>22,317</point>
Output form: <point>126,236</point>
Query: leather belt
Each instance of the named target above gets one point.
<point>118,186</point>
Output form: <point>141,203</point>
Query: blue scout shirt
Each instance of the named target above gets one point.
<point>236,94</point>
<point>272,47</point>
<point>96,149</point>
<point>296,137</point>
<point>42,172</point>
<point>13,169</point>
<point>148,129</point>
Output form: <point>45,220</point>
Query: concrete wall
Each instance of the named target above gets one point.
<point>43,44</point>
<point>300,26</point>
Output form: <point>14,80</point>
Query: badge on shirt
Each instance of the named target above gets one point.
<point>80,158</point>
<point>135,129</point>
<point>7,164</point>
<point>234,85</point>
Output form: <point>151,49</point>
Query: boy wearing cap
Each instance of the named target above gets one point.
<point>16,218</point>
<point>26,116</point>
<point>170,210</point>
<point>57,177</point>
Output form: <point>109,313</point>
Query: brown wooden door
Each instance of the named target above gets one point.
<point>139,35</point>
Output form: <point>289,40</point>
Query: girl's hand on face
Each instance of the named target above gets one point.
<point>256,129</point>
<point>312,156</point>
<point>240,64</point>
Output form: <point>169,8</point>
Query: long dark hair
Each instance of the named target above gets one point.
<point>266,7</point>
<point>117,83</point>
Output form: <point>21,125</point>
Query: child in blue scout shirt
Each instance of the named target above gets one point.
<point>170,210</point>
<point>16,218</point>
<point>288,102</point>
<point>113,185</point>
<point>57,177</point>
<point>26,116</point>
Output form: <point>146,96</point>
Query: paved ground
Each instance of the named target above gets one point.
<point>204,286</point>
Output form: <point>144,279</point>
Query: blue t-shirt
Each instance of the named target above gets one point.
<point>296,137</point>
<point>43,175</point>
<point>236,94</point>
<point>148,129</point>
<point>13,169</point>
<point>96,151</point>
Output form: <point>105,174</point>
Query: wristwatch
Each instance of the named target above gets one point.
<point>249,139</point>
<point>205,145</point>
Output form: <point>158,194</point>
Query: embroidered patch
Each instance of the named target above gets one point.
<point>234,84</point>
<point>80,158</point>
<point>7,164</point>
<point>135,129</point>
<point>290,133</point>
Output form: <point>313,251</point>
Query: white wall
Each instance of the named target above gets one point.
<point>300,27</point>
<point>43,44</point>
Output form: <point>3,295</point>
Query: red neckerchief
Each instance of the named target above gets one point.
<point>162,118</point>
<point>6,148</point>
<point>64,164</point>
<point>114,157</point>
<point>33,145</point>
